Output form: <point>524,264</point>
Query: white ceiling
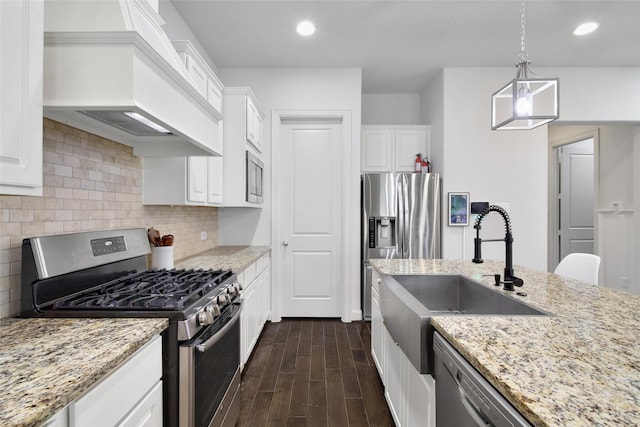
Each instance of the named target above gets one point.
<point>400,45</point>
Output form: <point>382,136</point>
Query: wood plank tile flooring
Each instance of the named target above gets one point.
<point>313,372</point>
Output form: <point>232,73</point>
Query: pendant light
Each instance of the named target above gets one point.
<point>525,102</point>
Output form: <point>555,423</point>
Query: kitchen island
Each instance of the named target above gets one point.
<point>579,366</point>
<point>46,364</point>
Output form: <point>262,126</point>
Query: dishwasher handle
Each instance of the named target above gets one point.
<point>471,408</point>
<point>453,370</point>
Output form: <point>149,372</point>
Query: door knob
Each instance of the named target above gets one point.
<point>285,243</point>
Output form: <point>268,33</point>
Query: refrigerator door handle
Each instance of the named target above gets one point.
<point>402,216</point>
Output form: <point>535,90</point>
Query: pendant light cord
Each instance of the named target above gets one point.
<point>523,58</point>
<point>523,51</point>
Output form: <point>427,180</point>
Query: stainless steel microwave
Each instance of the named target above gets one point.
<point>255,169</point>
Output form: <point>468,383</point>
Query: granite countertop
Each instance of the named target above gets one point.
<point>580,366</point>
<point>236,258</point>
<point>45,364</point>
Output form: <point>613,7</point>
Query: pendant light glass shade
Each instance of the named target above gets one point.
<point>525,103</point>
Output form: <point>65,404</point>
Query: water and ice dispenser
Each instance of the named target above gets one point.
<point>382,232</point>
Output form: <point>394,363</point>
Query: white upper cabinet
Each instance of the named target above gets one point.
<point>377,150</point>
<point>202,77</point>
<point>408,143</point>
<point>21,77</point>
<point>242,134</point>
<point>182,181</point>
<point>197,183</point>
<point>197,73</point>
<point>253,124</point>
<point>393,148</point>
<point>215,180</point>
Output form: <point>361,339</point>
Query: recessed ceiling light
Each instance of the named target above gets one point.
<point>585,28</point>
<point>305,28</point>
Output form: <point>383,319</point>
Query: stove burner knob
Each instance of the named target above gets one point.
<point>233,290</point>
<point>223,300</point>
<point>213,309</point>
<point>204,318</point>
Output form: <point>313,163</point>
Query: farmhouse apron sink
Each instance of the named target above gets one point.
<point>409,301</point>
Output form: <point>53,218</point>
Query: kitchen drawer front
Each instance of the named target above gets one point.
<point>113,398</point>
<point>262,263</point>
<point>250,273</point>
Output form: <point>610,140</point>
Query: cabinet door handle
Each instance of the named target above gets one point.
<point>285,243</point>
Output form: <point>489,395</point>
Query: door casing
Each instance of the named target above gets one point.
<point>553,250</point>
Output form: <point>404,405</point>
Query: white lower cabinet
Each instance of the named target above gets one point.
<point>377,337</point>
<point>61,419</point>
<point>395,375</point>
<point>130,396</point>
<point>420,404</point>
<point>256,284</point>
<point>410,395</point>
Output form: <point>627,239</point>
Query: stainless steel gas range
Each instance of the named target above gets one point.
<point>104,274</point>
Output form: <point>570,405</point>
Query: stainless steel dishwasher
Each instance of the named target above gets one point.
<point>464,397</point>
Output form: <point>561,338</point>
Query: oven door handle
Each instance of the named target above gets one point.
<point>220,334</point>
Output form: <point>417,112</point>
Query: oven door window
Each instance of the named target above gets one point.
<point>215,367</point>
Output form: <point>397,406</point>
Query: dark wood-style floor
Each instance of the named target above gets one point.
<point>313,372</point>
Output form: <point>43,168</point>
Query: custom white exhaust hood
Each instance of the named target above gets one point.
<point>105,58</point>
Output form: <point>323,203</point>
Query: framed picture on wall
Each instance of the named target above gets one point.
<point>458,209</point>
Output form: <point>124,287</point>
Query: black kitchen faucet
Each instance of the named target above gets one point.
<point>509,279</point>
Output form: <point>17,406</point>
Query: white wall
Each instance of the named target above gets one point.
<point>285,89</point>
<point>616,167</point>
<point>616,231</point>
<point>496,167</point>
<point>391,109</point>
<point>432,109</point>
<point>511,166</point>
<point>592,95</point>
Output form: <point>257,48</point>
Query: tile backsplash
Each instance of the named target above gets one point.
<point>90,183</point>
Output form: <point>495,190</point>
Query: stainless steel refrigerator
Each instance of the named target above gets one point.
<point>400,219</point>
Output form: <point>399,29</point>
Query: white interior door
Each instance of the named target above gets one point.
<point>576,198</point>
<point>310,219</point>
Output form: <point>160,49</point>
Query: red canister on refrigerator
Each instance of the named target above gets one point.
<point>426,166</point>
<point>418,165</point>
